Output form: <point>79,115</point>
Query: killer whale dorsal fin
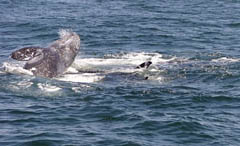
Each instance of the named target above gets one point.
<point>144,65</point>
<point>26,53</point>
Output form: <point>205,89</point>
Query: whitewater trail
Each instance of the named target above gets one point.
<point>94,70</point>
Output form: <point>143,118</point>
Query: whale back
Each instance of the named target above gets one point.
<point>47,64</point>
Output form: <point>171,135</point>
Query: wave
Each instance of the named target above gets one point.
<point>89,70</point>
<point>119,68</point>
<point>111,68</point>
<point>226,60</point>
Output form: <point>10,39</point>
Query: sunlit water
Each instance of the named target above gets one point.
<point>191,96</point>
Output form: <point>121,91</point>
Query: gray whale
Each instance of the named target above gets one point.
<point>53,60</point>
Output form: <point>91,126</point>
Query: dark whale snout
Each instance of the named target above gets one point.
<point>26,53</point>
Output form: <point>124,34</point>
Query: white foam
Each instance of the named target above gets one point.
<point>129,60</point>
<point>81,77</point>
<point>25,83</point>
<point>48,87</point>
<point>89,70</point>
<point>225,59</point>
<point>71,70</point>
<point>19,85</point>
<point>80,88</point>
<point>141,55</point>
<point>15,69</point>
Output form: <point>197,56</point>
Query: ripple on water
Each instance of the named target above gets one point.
<point>190,97</point>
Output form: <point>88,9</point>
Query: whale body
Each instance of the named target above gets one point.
<point>53,60</point>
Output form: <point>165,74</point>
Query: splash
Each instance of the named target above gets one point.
<point>67,38</point>
<point>63,33</point>
<point>112,68</point>
<point>92,70</point>
<point>15,69</point>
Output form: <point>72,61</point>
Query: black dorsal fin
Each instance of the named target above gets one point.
<point>144,64</point>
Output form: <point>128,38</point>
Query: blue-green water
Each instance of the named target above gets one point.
<point>191,97</point>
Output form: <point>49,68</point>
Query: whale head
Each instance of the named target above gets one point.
<point>69,41</point>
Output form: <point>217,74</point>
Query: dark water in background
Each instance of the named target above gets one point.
<point>191,98</point>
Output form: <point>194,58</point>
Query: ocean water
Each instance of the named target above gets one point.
<point>191,97</point>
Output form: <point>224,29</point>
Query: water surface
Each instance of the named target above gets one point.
<point>191,96</point>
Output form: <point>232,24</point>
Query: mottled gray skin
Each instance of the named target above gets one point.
<point>51,61</point>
